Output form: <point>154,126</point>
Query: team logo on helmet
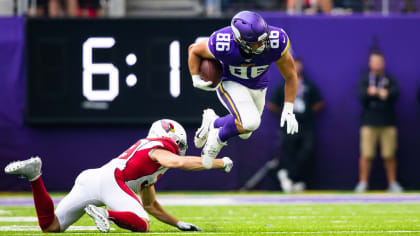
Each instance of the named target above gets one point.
<point>168,127</point>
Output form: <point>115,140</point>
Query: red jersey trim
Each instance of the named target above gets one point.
<point>120,181</point>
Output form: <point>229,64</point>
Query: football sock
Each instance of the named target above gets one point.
<point>128,220</point>
<point>228,129</point>
<point>43,203</point>
<point>219,122</point>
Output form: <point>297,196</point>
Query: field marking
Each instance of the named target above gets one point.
<point>222,218</point>
<point>290,217</point>
<point>4,212</point>
<point>255,232</point>
<point>259,232</point>
<point>18,219</point>
<point>36,228</point>
<point>255,199</point>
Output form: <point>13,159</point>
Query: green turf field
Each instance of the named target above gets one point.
<point>391,218</point>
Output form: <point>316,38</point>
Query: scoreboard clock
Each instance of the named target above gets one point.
<point>103,71</point>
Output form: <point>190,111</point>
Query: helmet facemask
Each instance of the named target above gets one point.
<point>263,46</point>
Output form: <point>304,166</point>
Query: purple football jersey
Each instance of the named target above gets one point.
<point>250,72</point>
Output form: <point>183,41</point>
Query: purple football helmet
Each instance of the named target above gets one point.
<point>249,28</point>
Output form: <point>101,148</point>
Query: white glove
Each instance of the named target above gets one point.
<point>201,84</point>
<point>227,164</point>
<point>187,226</point>
<point>288,117</point>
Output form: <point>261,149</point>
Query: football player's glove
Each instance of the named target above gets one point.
<point>187,226</point>
<point>227,164</point>
<point>201,84</point>
<point>288,117</point>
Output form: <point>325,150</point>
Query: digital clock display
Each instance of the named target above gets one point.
<point>114,70</point>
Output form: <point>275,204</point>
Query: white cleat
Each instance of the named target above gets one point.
<point>100,216</point>
<point>211,149</point>
<point>30,169</point>
<point>200,137</point>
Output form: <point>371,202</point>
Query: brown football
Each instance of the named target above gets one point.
<point>211,70</point>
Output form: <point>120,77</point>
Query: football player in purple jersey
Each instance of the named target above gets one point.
<point>246,50</point>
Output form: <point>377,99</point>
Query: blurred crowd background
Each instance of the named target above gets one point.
<point>182,8</point>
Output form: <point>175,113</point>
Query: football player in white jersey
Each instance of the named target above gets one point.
<point>116,184</point>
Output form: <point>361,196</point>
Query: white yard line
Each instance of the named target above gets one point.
<point>4,212</point>
<point>18,219</point>
<point>223,219</point>
<point>255,199</point>
<point>36,228</point>
<point>258,232</point>
<point>192,201</point>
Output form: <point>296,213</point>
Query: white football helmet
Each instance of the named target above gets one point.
<point>171,129</point>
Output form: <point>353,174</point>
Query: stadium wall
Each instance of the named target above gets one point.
<point>334,50</point>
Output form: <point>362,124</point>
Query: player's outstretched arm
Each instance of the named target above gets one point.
<point>152,206</point>
<point>286,66</point>
<point>171,160</point>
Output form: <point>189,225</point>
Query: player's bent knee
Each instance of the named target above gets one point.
<point>252,125</point>
<point>141,226</point>
<point>54,227</point>
<point>131,221</point>
<point>48,230</point>
<point>147,225</point>
<point>245,135</point>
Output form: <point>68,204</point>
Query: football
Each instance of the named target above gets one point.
<point>211,70</point>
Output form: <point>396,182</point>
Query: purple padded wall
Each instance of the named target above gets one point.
<point>335,52</point>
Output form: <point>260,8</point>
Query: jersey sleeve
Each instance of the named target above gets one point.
<point>165,143</point>
<point>212,44</point>
<point>279,42</point>
<point>220,43</point>
<point>171,146</point>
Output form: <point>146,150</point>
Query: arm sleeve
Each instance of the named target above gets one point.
<point>212,45</point>
<point>171,146</point>
<point>164,143</point>
<point>279,42</point>
<point>222,52</point>
<point>285,42</point>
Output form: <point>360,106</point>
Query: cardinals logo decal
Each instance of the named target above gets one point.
<point>168,127</point>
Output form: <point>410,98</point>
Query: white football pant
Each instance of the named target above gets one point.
<point>98,187</point>
<point>245,104</point>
